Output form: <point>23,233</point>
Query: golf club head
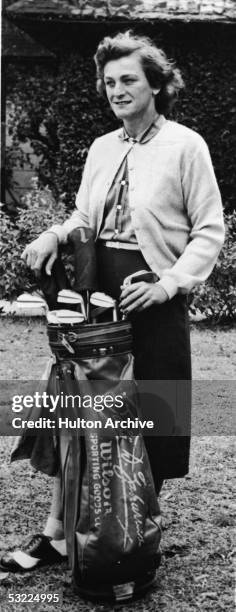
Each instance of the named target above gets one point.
<point>51,317</point>
<point>28,301</point>
<point>142,275</point>
<point>66,296</point>
<point>104,301</point>
<point>65,317</point>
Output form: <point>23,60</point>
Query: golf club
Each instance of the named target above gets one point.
<point>142,275</point>
<point>31,301</point>
<point>104,302</point>
<point>65,317</point>
<point>66,296</point>
<point>85,270</point>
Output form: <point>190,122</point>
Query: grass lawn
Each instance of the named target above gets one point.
<point>196,573</point>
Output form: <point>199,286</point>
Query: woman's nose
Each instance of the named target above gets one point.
<point>118,89</point>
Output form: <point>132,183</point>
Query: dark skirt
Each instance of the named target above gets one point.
<point>161,349</point>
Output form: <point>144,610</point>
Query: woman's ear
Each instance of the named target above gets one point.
<point>156,91</point>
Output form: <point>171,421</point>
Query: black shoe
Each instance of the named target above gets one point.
<point>37,552</point>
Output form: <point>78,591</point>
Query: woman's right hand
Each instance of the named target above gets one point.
<point>44,247</point>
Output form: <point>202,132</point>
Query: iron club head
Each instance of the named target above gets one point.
<point>66,296</point>
<point>105,302</point>
<point>28,301</point>
<point>65,316</point>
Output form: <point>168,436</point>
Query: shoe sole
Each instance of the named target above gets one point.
<point>17,569</point>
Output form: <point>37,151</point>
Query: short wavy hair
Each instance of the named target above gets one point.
<point>159,70</point>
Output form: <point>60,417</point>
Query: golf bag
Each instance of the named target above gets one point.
<point>110,509</point>
<point>111,513</point>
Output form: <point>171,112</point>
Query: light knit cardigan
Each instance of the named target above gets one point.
<point>175,202</point>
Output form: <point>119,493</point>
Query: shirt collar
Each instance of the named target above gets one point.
<point>147,134</point>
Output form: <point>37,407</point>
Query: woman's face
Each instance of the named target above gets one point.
<point>127,88</point>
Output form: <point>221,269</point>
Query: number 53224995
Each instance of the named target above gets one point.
<point>35,597</point>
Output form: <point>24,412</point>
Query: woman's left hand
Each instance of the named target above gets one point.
<point>140,296</point>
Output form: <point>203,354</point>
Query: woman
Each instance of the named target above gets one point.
<point>150,195</point>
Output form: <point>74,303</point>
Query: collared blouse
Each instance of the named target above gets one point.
<point>117,222</point>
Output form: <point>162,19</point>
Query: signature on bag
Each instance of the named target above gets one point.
<point>133,482</point>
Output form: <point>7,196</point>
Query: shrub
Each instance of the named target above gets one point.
<point>39,210</point>
<point>216,298</point>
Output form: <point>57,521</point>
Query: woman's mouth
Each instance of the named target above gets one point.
<point>122,103</point>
